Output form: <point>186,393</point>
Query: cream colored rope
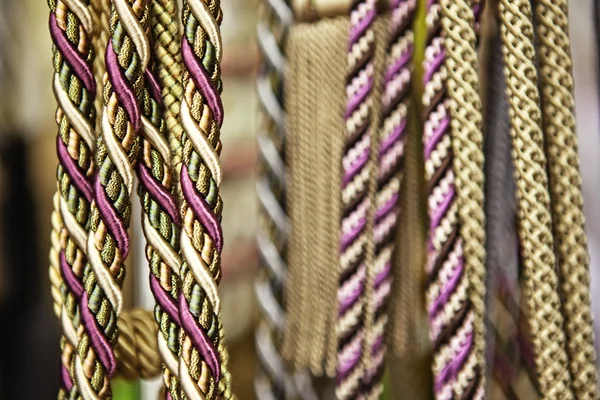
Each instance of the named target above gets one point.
<point>467,147</point>
<point>555,68</point>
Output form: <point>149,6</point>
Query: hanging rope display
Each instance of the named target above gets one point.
<point>335,84</point>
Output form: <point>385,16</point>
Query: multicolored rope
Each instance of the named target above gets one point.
<point>203,357</point>
<point>161,226</point>
<point>125,105</point>
<point>355,201</point>
<point>394,110</point>
<point>74,87</point>
<point>450,310</point>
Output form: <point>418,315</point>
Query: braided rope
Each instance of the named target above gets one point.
<point>353,292</point>
<point>100,13</point>
<point>127,57</point>
<point>160,221</point>
<point>555,68</point>
<point>203,357</point>
<point>74,89</point>
<point>451,314</point>
<point>535,225</point>
<point>166,47</point>
<point>459,31</point>
<point>275,379</point>
<point>392,131</point>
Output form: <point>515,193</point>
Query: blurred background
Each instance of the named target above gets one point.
<point>29,336</point>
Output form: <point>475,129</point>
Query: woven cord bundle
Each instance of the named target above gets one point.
<point>203,357</point>
<point>535,224</point>
<point>74,87</point>
<point>558,120</point>
<point>276,379</point>
<point>459,31</point>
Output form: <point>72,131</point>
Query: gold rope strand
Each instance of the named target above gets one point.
<point>467,145</point>
<point>565,188</point>
<point>535,225</point>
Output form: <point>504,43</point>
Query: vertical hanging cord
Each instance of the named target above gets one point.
<point>535,224</point>
<point>160,219</point>
<point>558,119</point>
<point>454,323</point>
<point>166,34</point>
<point>391,131</point>
<point>127,57</point>
<point>100,13</point>
<point>74,88</point>
<point>203,358</point>
<point>459,25</point>
<point>354,290</point>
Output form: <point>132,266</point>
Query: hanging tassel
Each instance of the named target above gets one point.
<point>315,103</point>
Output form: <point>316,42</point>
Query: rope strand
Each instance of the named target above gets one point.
<point>535,224</point>
<point>125,103</point>
<point>203,357</point>
<point>74,89</point>
<point>556,77</point>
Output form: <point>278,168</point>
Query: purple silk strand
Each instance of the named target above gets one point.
<point>158,192</point>
<point>110,216</point>
<point>72,56</point>
<point>122,88</point>
<point>201,209</point>
<point>69,277</point>
<point>165,301</point>
<point>78,178</point>
<point>99,342</point>
<point>199,338</point>
<point>202,81</point>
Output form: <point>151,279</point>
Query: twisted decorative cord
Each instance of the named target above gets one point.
<point>203,357</point>
<point>451,314</point>
<point>166,34</point>
<point>160,223</point>
<point>74,88</point>
<point>535,224</point>
<point>136,345</point>
<point>125,103</point>
<point>394,108</point>
<point>459,29</point>
<point>558,119</point>
<point>275,380</point>
<point>100,14</point>
<point>353,290</point>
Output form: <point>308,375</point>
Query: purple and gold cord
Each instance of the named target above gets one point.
<point>450,313</point>
<point>74,88</point>
<point>161,226</point>
<point>202,357</point>
<point>394,109</point>
<point>127,58</point>
<point>355,202</point>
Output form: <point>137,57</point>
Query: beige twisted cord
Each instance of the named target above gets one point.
<point>467,145</point>
<point>535,224</point>
<point>100,13</point>
<point>565,189</point>
<point>166,47</point>
<point>137,349</point>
